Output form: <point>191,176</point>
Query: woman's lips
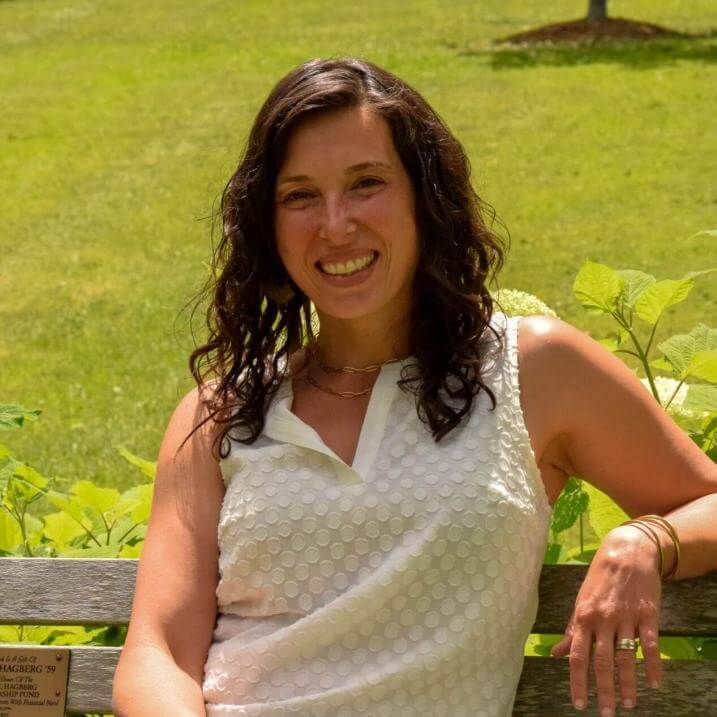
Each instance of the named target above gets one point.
<point>347,280</point>
<point>374,253</point>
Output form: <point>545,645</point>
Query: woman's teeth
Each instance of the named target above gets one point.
<point>349,267</point>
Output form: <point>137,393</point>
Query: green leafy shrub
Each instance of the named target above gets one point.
<point>91,522</point>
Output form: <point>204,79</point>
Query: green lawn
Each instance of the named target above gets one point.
<point>121,125</point>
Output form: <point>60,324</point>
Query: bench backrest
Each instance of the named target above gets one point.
<point>59,591</point>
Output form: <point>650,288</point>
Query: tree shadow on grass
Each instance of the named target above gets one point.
<point>633,44</point>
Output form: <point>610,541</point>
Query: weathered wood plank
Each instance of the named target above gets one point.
<point>63,591</point>
<point>59,591</point>
<point>688,607</point>
<point>689,687</point>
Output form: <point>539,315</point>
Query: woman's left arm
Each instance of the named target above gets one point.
<point>618,438</point>
<point>696,526</point>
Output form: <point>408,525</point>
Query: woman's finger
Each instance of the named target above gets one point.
<point>562,647</point>
<point>649,629</point>
<point>604,669</point>
<point>627,667</point>
<point>579,661</point>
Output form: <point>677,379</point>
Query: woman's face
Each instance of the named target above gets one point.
<point>328,210</point>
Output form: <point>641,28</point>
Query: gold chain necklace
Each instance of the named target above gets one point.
<point>311,351</point>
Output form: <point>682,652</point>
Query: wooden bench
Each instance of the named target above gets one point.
<point>57,591</point>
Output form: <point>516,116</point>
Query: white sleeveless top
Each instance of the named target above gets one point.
<point>403,585</point>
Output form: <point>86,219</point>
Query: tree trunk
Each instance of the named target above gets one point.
<point>597,10</point>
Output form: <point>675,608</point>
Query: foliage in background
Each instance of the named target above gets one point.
<point>91,522</point>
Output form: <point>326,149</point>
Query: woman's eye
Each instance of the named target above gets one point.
<point>295,195</point>
<point>301,194</point>
<point>369,179</point>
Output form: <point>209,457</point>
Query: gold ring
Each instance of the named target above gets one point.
<point>627,643</point>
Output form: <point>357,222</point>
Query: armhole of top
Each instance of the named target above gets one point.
<point>522,438</point>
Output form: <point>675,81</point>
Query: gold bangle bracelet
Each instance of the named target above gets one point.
<point>644,526</point>
<point>659,520</point>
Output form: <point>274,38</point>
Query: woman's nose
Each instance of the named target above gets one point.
<point>337,222</point>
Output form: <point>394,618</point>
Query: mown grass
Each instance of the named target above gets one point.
<point>122,123</point>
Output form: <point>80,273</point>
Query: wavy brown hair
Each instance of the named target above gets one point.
<point>249,332</point>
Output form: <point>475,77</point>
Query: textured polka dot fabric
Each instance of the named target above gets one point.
<point>403,585</point>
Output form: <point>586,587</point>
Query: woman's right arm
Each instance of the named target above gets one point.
<point>161,667</point>
<point>151,683</point>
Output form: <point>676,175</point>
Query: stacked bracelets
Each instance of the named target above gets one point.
<point>643,524</point>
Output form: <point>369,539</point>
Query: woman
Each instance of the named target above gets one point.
<point>372,541</point>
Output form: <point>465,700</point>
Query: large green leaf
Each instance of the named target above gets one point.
<point>652,303</point>
<point>149,468</point>
<point>680,349</point>
<point>604,513</point>
<point>569,505</point>
<point>93,496</point>
<point>701,398</point>
<point>61,529</point>
<point>24,485</point>
<point>597,287</point>
<point>34,533</point>
<point>136,502</point>
<point>70,505</point>
<point>635,283</point>
<point>10,533</point>
<point>704,365</point>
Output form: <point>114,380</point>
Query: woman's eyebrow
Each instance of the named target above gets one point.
<point>348,170</point>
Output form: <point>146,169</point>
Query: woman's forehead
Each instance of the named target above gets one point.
<point>344,140</point>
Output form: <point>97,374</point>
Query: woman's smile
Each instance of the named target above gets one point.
<point>352,278</point>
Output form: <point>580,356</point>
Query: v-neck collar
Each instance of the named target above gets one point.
<point>283,425</point>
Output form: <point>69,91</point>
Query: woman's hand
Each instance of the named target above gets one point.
<point>620,597</point>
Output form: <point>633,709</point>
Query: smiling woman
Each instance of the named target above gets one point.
<point>372,544</point>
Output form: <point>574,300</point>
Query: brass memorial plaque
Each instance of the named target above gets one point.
<point>33,680</point>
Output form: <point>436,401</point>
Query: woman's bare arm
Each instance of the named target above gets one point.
<point>618,438</point>
<point>153,684</point>
<point>161,667</point>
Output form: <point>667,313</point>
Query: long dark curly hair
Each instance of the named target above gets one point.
<point>249,332</point>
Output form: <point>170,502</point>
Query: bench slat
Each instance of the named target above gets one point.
<point>688,608</point>
<point>63,591</point>
<point>544,688</point>
<point>60,591</point>
<point>688,688</point>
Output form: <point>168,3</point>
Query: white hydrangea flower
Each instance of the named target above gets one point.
<point>665,388</point>
<point>520,303</point>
